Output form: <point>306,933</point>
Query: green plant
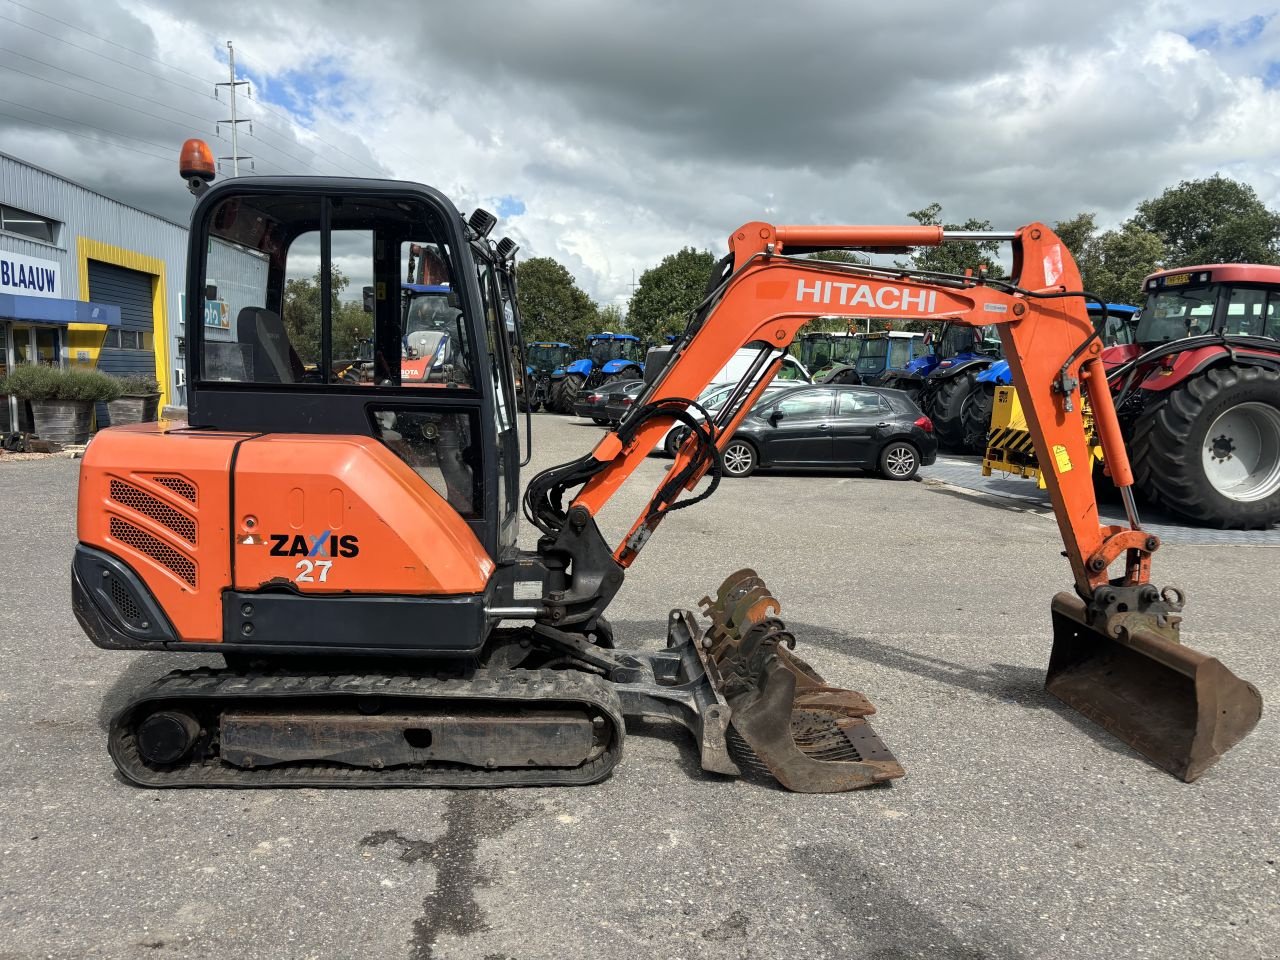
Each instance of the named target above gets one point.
<point>54,383</point>
<point>138,385</point>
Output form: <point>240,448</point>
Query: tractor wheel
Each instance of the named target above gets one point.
<point>977,416</point>
<point>525,406</point>
<point>946,409</point>
<point>570,387</point>
<point>1209,448</point>
<point>618,377</point>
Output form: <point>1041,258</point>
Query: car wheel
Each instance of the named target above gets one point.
<point>740,459</point>
<point>899,460</point>
<point>602,421</point>
<point>675,439</point>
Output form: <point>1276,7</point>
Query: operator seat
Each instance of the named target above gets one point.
<point>274,359</point>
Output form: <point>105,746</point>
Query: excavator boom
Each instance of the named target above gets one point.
<point>1117,655</point>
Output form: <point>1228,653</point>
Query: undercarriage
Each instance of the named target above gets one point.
<point>544,707</point>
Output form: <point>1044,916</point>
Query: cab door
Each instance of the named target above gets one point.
<point>798,428</point>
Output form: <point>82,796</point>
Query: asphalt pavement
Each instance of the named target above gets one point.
<point>1020,830</point>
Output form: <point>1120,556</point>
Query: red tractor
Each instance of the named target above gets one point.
<point>1199,393</point>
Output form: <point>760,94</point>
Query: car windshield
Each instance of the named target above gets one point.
<point>1174,314</point>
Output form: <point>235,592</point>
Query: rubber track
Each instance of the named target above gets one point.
<point>517,688</point>
<point>1166,468</point>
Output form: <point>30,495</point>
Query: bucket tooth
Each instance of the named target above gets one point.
<point>1130,674</point>
<point>810,736</point>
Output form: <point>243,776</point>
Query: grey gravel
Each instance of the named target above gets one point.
<point>1020,831</point>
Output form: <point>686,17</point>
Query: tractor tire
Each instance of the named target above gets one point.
<point>946,409</point>
<point>977,416</point>
<point>1209,449</point>
<point>570,387</point>
<point>525,406</point>
<point>618,377</point>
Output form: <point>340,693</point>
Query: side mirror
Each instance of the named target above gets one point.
<point>368,299</point>
<point>775,415</point>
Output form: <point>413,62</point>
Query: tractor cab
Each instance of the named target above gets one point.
<point>602,348</point>
<point>435,387</point>
<point>544,357</point>
<point>1241,300</point>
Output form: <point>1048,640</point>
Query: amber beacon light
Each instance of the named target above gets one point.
<point>195,163</point>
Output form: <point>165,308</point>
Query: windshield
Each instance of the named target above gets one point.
<point>545,356</point>
<point>430,312</point>
<point>1174,314</point>
<point>956,338</point>
<point>872,356</point>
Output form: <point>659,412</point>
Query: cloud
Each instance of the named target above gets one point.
<point>608,136</point>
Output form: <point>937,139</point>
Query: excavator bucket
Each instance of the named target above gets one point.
<point>785,719</point>
<point>1176,706</point>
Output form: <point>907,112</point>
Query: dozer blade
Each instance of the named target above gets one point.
<point>785,719</point>
<point>1176,706</point>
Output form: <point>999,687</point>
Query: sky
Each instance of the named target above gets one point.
<point>609,135</point>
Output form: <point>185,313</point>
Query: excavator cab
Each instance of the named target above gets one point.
<point>282,254</point>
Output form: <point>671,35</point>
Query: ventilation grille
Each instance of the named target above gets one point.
<point>179,485</point>
<point>142,502</point>
<point>159,551</point>
<point>124,602</point>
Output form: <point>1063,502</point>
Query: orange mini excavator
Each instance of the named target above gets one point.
<point>348,542</point>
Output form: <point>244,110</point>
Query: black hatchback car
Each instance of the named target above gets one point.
<point>609,402</point>
<point>816,426</point>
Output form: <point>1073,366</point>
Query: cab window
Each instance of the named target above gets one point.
<point>332,291</point>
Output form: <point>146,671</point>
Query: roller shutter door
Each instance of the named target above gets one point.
<point>130,290</point>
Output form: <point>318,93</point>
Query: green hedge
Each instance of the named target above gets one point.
<point>54,383</point>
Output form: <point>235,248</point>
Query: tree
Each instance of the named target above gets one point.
<point>1217,220</point>
<point>552,307</point>
<point>302,316</point>
<point>1120,260</point>
<point>1080,235</point>
<point>668,293</point>
<point>609,317</point>
<point>955,257</point>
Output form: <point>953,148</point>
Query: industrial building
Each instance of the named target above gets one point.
<point>86,280</point>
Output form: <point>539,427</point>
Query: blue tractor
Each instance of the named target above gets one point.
<point>942,380</point>
<point>610,357</point>
<point>1121,320</point>
<point>533,390</point>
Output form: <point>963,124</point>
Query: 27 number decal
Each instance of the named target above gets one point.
<point>306,568</point>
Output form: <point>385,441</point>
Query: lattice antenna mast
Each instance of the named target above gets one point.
<point>232,84</point>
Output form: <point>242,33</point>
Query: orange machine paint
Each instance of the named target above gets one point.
<point>158,500</point>
<point>339,514</point>
<point>171,524</point>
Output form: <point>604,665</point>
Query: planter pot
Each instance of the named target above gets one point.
<point>63,421</point>
<point>133,408</point>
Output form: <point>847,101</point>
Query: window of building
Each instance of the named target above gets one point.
<point>30,225</point>
<point>127,340</point>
